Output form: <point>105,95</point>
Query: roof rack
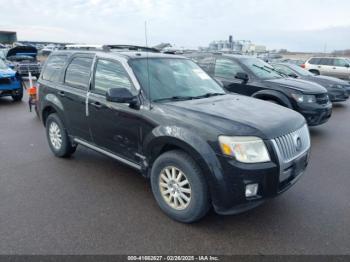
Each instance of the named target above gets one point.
<point>121,48</point>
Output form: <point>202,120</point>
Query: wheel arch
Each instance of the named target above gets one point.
<point>273,95</point>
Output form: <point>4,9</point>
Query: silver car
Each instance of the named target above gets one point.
<point>329,66</point>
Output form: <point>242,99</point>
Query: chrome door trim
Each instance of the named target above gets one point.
<point>107,153</point>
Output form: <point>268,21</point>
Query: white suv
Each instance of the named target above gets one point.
<point>329,66</point>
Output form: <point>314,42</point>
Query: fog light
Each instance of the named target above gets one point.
<point>251,190</point>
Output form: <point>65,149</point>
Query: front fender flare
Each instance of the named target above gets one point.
<point>273,94</point>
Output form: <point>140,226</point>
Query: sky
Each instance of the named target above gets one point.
<point>296,25</point>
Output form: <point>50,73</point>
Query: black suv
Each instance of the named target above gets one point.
<point>164,116</point>
<point>251,76</point>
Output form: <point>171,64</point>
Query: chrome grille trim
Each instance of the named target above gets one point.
<point>286,148</point>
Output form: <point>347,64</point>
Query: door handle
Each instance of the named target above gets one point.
<point>319,66</point>
<point>334,68</point>
<point>61,93</point>
<point>96,104</point>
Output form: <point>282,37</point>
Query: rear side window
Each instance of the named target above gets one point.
<point>326,61</point>
<point>110,74</point>
<point>53,67</point>
<point>78,72</point>
<point>227,68</point>
<point>314,61</point>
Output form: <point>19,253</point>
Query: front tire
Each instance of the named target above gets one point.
<point>57,137</point>
<point>179,187</point>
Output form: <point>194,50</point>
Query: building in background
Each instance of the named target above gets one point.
<point>8,37</point>
<point>238,46</point>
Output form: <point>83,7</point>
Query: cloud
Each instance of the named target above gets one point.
<point>296,25</point>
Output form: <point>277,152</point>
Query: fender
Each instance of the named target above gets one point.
<point>51,100</point>
<point>273,94</point>
<point>165,136</point>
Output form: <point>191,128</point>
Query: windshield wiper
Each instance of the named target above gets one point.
<point>174,98</point>
<point>262,68</point>
<point>209,95</point>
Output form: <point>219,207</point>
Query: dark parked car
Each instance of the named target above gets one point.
<point>251,76</point>
<point>338,90</point>
<point>164,116</point>
<point>24,59</point>
<point>10,83</point>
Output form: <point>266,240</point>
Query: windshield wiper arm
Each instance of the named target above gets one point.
<point>174,98</point>
<point>210,95</point>
<point>262,68</point>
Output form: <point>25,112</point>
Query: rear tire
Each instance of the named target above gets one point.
<point>57,137</point>
<point>179,187</point>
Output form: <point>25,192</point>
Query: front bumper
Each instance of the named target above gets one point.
<point>338,95</point>
<point>8,89</point>
<point>272,178</point>
<point>315,114</point>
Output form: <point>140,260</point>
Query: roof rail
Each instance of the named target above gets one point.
<point>121,48</point>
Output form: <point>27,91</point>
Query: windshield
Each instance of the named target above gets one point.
<point>22,58</point>
<point>173,78</point>
<point>300,71</point>
<point>261,69</point>
<point>3,65</point>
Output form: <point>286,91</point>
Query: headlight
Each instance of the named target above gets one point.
<point>336,86</point>
<point>245,149</point>
<point>304,98</point>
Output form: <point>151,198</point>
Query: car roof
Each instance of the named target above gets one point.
<point>218,54</point>
<point>115,54</point>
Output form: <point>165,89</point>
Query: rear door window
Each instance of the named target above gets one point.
<point>53,67</point>
<point>326,61</point>
<point>78,72</point>
<point>226,68</point>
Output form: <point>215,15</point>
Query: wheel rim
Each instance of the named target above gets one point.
<point>175,188</point>
<point>55,135</point>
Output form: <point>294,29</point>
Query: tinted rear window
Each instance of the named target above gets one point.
<point>314,61</point>
<point>53,67</point>
<point>326,61</point>
<point>78,72</point>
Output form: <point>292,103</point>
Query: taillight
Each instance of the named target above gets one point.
<point>303,65</point>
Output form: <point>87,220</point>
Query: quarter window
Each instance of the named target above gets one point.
<point>78,72</point>
<point>53,67</point>
<point>110,74</point>
<point>227,68</point>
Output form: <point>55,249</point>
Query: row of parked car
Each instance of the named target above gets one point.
<point>208,130</point>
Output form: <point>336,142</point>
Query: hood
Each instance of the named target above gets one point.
<point>330,80</point>
<point>7,73</point>
<point>237,115</point>
<point>298,84</point>
<point>22,50</point>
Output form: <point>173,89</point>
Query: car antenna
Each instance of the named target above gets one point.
<point>148,79</point>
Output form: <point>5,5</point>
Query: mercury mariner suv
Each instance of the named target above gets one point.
<point>165,117</point>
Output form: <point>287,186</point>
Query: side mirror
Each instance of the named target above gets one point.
<point>293,75</point>
<point>120,95</point>
<point>242,76</point>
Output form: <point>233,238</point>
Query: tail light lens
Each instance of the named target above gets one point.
<point>303,65</point>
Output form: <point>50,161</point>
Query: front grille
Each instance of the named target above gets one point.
<point>322,99</point>
<point>5,81</point>
<point>28,68</point>
<point>293,145</point>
